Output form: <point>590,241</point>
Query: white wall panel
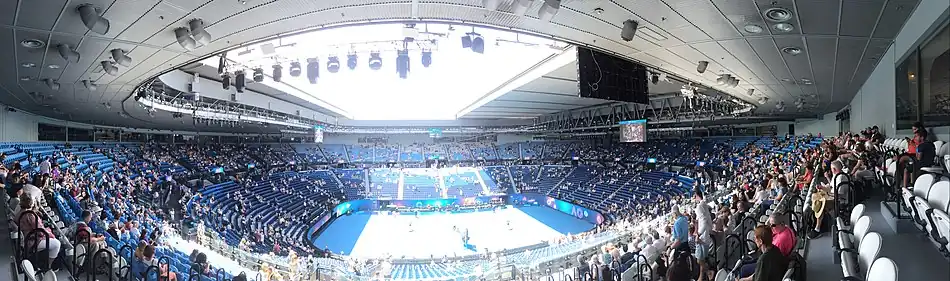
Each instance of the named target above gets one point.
<point>826,126</point>
<point>17,126</point>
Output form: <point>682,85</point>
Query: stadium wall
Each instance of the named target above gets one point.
<point>826,126</point>
<point>18,126</point>
<point>874,102</point>
<point>390,138</point>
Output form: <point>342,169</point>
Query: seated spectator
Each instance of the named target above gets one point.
<point>148,260</point>
<point>783,237</point>
<point>45,240</point>
<point>771,265</point>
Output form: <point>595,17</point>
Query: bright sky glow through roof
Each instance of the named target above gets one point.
<point>456,78</point>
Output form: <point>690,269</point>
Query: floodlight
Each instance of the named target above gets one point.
<point>121,57</point>
<point>313,70</point>
<point>277,72</point>
<point>402,63</point>
<point>295,69</point>
<point>92,19</point>
<point>426,58</point>
<point>375,62</point>
<point>333,64</point>
<point>351,61</point>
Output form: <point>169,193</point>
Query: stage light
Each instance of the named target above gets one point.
<point>375,62</point>
<point>92,19</point>
<point>629,30</point>
<point>121,57</point>
<point>548,9</point>
<point>478,43</point>
<point>351,61</point>
<point>750,92</point>
<point>198,32</point>
<point>701,66</point>
<point>277,72</point>
<point>67,53</point>
<point>313,70</point>
<point>109,67</point>
<point>426,58</point>
<point>295,69</point>
<point>333,64</point>
<point>258,74</point>
<point>402,63</point>
<point>184,39</point>
<point>89,85</point>
<point>655,78</point>
<point>222,62</point>
<point>225,81</point>
<point>52,84</point>
<point>467,40</point>
<point>239,79</point>
<point>723,78</point>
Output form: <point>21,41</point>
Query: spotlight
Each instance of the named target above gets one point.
<point>258,75</point>
<point>109,67</point>
<point>490,4</point>
<point>467,40</point>
<point>67,53</point>
<point>239,79</point>
<point>629,30</point>
<point>426,58</point>
<point>701,67</point>
<point>375,62</point>
<point>92,19</point>
<point>89,85</point>
<point>402,63</point>
<point>351,61</point>
<point>121,57</point>
<point>750,92</point>
<point>277,72</point>
<point>478,43</point>
<point>548,9</point>
<point>723,78</point>
<point>198,31</point>
<point>184,39</point>
<point>295,69</point>
<point>520,7</point>
<point>333,64</point>
<point>733,82</point>
<point>222,62</point>
<point>313,70</point>
<point>225,81</point>
<point>52,84</point>
<point>654,78</point>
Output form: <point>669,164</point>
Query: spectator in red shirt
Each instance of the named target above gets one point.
<point>782,236</point>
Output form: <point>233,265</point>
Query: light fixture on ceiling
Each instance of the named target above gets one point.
<point>763,100</point>
<point>89,85</point>
<point>109,67</point>
<point>68,53</point>
<point>26,78</point>
<point>351,61</point>
<point>780,106</point>
<point>629,30</point>
<point>333,64</point>
<point>295,69</point>
<point>490,5</point>
<point>240,80</point>
<point>548,9</point>
<point>701,66</point>
<point>786,80</point>
<point>474,41</point>
<point>749,92</point>
<point>313,70</point>
<point>258,74</point>
<point>402,63</point>
<point>654,78</point>
<point>752,28</point>
<point>807,81</point>
<point>520,7</point>
<point>784,27</point>
<point>226,80</point>
<point>375,62</point>
<point>733,82</point>
<point>28,65</point>
<point>723,79</point>
<point>426,58</point>
<point>121,57</point>
<point>792,50</point>
<point>198,31</point>
<point>53,66</point>
<point>92,18</point>
<point>777,14</point>
<point>185,39</point>
<point>277,72</point>
<point>33,43</point>
<point>52,84</point>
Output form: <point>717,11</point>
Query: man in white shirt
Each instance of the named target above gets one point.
<point>45,166</point>
<point>703,225</point>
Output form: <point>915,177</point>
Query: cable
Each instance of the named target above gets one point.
<point>600,74</point>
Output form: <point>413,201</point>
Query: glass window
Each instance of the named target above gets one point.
<point>935,79</point>
<point>907,93</point>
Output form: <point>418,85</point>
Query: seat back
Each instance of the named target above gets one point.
<point>922,185</point>
<point>861,228</point>
<point>856,213</point>
<point>883,269</point>
<point>869,250</point>
<point>939,197</point>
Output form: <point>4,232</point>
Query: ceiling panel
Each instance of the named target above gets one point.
<point>703,14</point>
<point>818,17</point>
<point>163,14</point>
<point>895,13</point>
<point>855,19</point>
<point>846,64</point>
<point>70,22</point>
<point>25,55</point>
<point>42,13</point>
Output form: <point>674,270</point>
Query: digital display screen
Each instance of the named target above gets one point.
<point>251,166</point>
<point>218,170</point>
<point>633,131</point>
<point>435,133</point>
<point>318,134</point>
<point>651,160</point>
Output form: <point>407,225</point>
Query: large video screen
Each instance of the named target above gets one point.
<point>633,131</point>
<point>435,133</point>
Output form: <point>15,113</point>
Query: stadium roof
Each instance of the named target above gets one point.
<point>819,52</point>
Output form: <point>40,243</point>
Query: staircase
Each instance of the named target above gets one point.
<point>481,182</point>
<point>400,185</point>
<point>514,188</point>
<point>558,184</point>
<point>440,181</point>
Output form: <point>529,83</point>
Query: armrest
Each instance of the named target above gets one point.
<point>849,250</point>
<point>851,278</point>
<point>843,230</point>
